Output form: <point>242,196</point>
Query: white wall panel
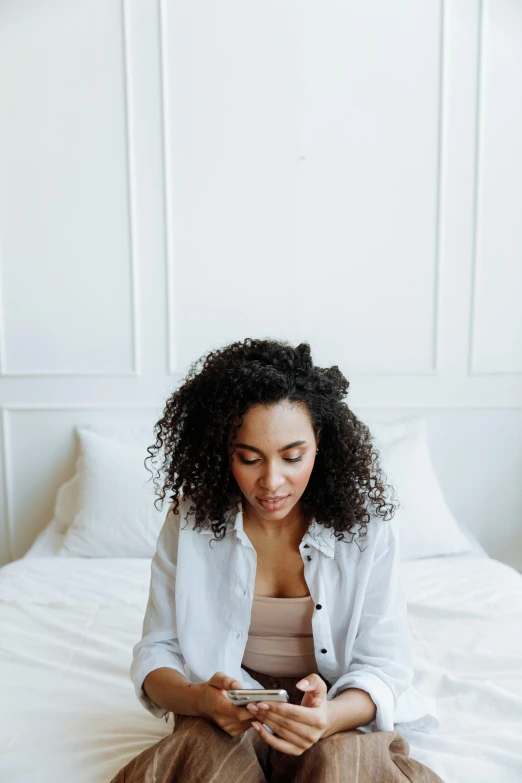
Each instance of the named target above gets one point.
<point>65,241</point>
<point>497,290</point>
<point>370,104</point>
<point>311,158</point>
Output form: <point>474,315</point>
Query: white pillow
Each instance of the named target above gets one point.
<point>425,524</point>
<point>107,509</point>
<point>116,516</point>
<point>66,506</point>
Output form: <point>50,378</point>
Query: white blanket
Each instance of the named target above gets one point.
<point>68,710</point>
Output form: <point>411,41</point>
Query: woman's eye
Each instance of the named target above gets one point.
<point>253,461</point>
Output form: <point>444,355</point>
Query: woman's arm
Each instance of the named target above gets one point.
<point>381,662</point>
<point>349,710</point>
<point>159,646</point>
<point>173,691</point>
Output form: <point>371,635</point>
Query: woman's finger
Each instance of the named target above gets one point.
<point>297,735</point>
<point>315,690</point>
<point>294,731</point>
<point>277,742</point>
<point>242,714</point>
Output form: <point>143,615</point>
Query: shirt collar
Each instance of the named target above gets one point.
<point>317,535</point>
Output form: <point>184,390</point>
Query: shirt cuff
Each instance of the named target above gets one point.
<point>380,693</point>
<point>139,671</point>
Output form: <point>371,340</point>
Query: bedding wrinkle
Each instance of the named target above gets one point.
<point>77,647</point>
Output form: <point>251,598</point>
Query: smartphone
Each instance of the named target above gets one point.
<point>240,697</point>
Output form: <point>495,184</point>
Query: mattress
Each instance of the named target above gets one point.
<point>68,710</point>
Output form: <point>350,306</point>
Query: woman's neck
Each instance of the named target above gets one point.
<point>289,530</point>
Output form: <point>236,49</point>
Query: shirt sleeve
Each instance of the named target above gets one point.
<point>159,644</point>
<point>381,662</point>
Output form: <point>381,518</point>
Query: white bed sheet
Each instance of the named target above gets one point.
<point>76,580</point>
<point>68,709</point>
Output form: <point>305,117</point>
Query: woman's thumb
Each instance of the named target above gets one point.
<point>224,681</point>
<point>315,690</point>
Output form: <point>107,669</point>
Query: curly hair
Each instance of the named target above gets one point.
<point>201,418</point>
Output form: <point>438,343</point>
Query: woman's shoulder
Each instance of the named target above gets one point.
<point>181,515</point>
<point>174,521</point>
<point>362,543</point>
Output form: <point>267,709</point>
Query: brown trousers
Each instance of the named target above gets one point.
<point>199,751</point>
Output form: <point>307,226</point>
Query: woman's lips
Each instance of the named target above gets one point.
<point>273,504</point>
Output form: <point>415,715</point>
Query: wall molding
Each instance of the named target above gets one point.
<point>171,360</point>
<point>130,149</point>
<point>476,208</point>
<point>478,122</point>
<point>82,406</point>
<point>130,156</point>
<point>438,208</point>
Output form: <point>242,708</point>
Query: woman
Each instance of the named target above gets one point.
<point>271,588</point>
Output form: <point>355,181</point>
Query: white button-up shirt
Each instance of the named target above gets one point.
<point>198,614</point>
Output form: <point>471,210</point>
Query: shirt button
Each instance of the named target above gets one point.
<point>238,635</point>
<point>309,557</point>
<point>318,606</point>
<point>244,592</point>
<point>307,546</point>
<point>323,650</point>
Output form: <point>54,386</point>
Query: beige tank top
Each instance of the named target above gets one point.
<point>280,639</point>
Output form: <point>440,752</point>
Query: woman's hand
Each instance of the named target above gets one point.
<point>296,727</point>
<point>216,706</point>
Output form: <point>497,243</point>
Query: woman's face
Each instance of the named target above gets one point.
<point>275,455</point>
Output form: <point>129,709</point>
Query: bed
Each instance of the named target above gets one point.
<point>68,710</point>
